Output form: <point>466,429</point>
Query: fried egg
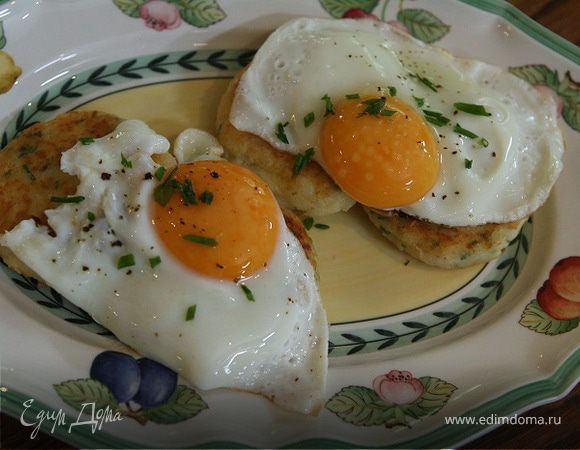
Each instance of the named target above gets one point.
<point>399,124</point>
<point>191,266</point>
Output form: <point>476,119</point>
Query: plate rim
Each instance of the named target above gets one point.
<point>529,26</point>
<point>512,402</point>
<point>567,371</point>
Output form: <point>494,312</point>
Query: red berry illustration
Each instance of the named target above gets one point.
<point>565,278</point>
<point>357,13</point>
<point>160,15</point>
<point>399,387</point>
<point>556,306</point>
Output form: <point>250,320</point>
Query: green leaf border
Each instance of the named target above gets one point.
<point>469,306</point>
<point>57,96</point>
<point>56,303</point>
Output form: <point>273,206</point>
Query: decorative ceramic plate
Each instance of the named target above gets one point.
<point>410,345</point>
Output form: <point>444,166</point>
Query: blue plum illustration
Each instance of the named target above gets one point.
<point>157,383</point>
<point>119,372</point>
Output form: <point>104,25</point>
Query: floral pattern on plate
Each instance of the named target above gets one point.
<point>566,91</point>
<point>511,399</point>
<point>161,15</point>
<point>397,399</point>
<point>419,23</point>
<point>142,389</point>
<point>556,308</point>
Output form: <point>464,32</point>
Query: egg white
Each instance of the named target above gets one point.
<point>275,346</point>
<point>307,58</point>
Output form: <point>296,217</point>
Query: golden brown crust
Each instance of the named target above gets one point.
<point>311,193</point>
<point>30,169</point>
<point>443,246</point>
<point>295,225</point>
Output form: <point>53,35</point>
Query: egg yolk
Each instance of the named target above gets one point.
<point>380,160</point>
<point>231,230</point>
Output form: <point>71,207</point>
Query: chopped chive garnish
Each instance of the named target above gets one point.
<point>484,142</point>
<point>392,91</point>
<point>301,160</point>
<point>328,105</point>
<point>468,163</point>
<point>432,113</point>
<point>206,197</point>
<point>419,100</point>
<point>281,133</point>
<point>86,140</point>
<point>73,199</point>
<point>374,106</point>
<point>470,108</point>
<point>159,172</point>
<point>308,222</point>
<point>248,292</point>
<point>436,118</point>
<point>321,226</point>
<point>209,242</point>
<point>163,192</point>
<point>155,261</point>
<point>460,130</point>
<point>126,261</point>
<point>437,121</point>
<point>352,96</point>
<point>426,81</point>
<point>308,119</point>
<point>171,174</point>
<point>125,162</point>
<point>190,314</point>
<point>187,192</point>
<point>91,216</point>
